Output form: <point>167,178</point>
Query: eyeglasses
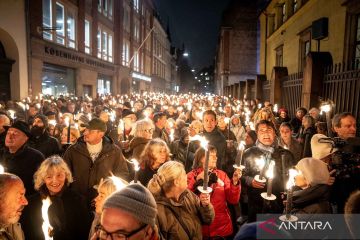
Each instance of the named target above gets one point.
<point>117,235</point>
<point>151,130</point>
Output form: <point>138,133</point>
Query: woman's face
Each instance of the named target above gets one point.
<point>100,199</point>
<point>235,121</point>
<point>55,180</point>
<point>248,140</point>
<point>212,160</point>
<point>160,154</point>
<point>64,137</point>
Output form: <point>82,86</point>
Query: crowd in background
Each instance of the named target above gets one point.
<point>67,148</point>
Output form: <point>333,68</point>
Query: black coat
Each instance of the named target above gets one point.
<point>230,153</point>
<point>46,144</point>
<point>24,164</point>
<point>68,216</point>
<point>255,200</point>
<point>217,139</point>
<point>87,173</point>
<point>145,174</point>
<point>312,200</point>
<point>180,152</point>
<point>296,124</point>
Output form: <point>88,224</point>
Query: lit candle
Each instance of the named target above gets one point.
<point>275,108</point>
<point>289,186</point>
<point>46,227</point>
<point>283,167</point>
<point>136,168</point>
<point>270,176</point>
<point>67,123</point>
<point>238,159</point>
<point>227,121</point>
<point>2,170</point>
<point>118,182</point>
<point>260,163</point>
<point>327,109</point>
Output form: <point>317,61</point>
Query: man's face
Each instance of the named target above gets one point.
<point>209,122</point>
<point>265,134</point>
<point>117,220</point>
<point>15,138</point>
<point>314,114</point>
<point>33,111</point>
<point>13,203</point>
<point>300,114</point>
<point>71,108</point>
<point>38,122</point>
<point>161,123</point>
<point>347,128</point>
<point>93,136</point>
<point>285,133</point>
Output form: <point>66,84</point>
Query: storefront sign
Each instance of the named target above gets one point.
<point>76,58</point>
<point>141,77</point>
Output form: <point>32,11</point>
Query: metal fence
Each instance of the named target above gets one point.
<point>342,86</point>
<point>291,89</point>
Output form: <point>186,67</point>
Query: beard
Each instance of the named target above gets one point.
<point>37,131</point>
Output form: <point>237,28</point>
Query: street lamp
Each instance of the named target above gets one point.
<point>185,54</point>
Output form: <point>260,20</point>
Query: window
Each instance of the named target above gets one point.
<point>59,23</point>
<point>136,61</point>
<point>136,29</point>
<point>104,45</point>
<point>137,5</point>
<point>87,37</point>
<point>47,19</point>
<point>125,52</point>
<point>279,56</point>
<point>295,5</point>
<point>104,84</point>
<point>126,18</point>
<point>305,48</point>
<point>106,8</point>
<point>283,13</point>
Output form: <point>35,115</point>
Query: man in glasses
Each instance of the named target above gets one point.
<point>128,214</point>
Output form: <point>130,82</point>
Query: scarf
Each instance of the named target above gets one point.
<point>94,150</point>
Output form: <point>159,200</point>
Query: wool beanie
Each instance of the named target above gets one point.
<point>321,149</point>
<point>136,200</point>
<point>314,170</point>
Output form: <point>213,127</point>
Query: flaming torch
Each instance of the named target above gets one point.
<point>238,159</point>
<point>327,109</point>
<point>289,185</point>
<point>270,175</point>
<point>136,168</point>
<point>46,227</point>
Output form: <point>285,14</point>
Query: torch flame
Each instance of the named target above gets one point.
<point>46,227</point>
<point>203,141</point>
<point>325,108</point>
<point>2,170</point>
<point>241,146</point>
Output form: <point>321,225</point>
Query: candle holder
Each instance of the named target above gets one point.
<point>257,178</point>
<point>290,218</point>
<point>241,167</point>
<point>203,190</point>
<point>264,195</point>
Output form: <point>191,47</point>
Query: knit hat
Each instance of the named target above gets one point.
<point>22,126</point>
<point>321,149</point>
<point>315,171</point>
<point>126,112</point>
<point>136,200</point>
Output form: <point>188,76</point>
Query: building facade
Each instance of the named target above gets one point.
<point>237,57</point>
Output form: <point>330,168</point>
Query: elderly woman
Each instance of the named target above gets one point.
<point>67,213</point>
<point>225,191</point>
<point>312,196</point>
<point>155,154</point>
<point>105,188</point>
<point>180,212</point>
<point>142,135</point>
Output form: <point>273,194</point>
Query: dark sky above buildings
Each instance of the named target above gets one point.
<point>196,24</point>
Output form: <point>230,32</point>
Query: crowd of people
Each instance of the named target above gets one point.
<point>134,167</point>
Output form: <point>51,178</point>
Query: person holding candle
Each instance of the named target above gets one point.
<point>180,212</point>
<point>225,191</point>
<point>312,194</point>
<point>105,188</point>
<point>267,148</point>
<point>155,154</point>
<point>68,214</point>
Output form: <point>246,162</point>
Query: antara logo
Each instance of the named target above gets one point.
<point>304,225</point>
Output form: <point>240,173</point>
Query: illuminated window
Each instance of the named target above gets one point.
<point>125,52</point>
<point>105,44</point>
<point>137,5</point>
<point>106,8</point>
<point>87,37</point>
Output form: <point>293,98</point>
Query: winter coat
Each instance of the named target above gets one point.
<point>46,144</point>
<point>223,192</point>
<point>68,216</point>
<point>189,210</point>
<point>230,153</point>
<point>161,133</point>
<point>295,148</point>
<point>179,150</point>
<point>137,145</point>
<point>251,169</point>
<point>12,232</point>
<point>305,137</point>
<point>239,132</point>
<point>295,124</point>
<point>145,174</point>
<point>312,200</point>
<point>24,164</point>
<point>87,173</point>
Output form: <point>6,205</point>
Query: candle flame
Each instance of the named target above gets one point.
<point>46,227</point>
<point>135,163</point>
<point>38,106</point>
<point>270,171</point>
<point>227,120</point>
<point>259,105</point>
<point>325,108</point>
<point>241,146</point>
<point>292,174</point>
<point>67,121</point>
<point>118,182</point>
<point>52,122</point>
<point>203,141</point>
<point>260,162</point>
<point>275,108</point>
<point>12,113</point>
<point>2,170</point>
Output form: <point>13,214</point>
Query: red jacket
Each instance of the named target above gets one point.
<point>221,226</point>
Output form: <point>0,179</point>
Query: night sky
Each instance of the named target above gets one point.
<point>196,24</point>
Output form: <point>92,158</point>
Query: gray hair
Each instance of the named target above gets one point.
<point>5,179</point>
<point>141,126</point>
